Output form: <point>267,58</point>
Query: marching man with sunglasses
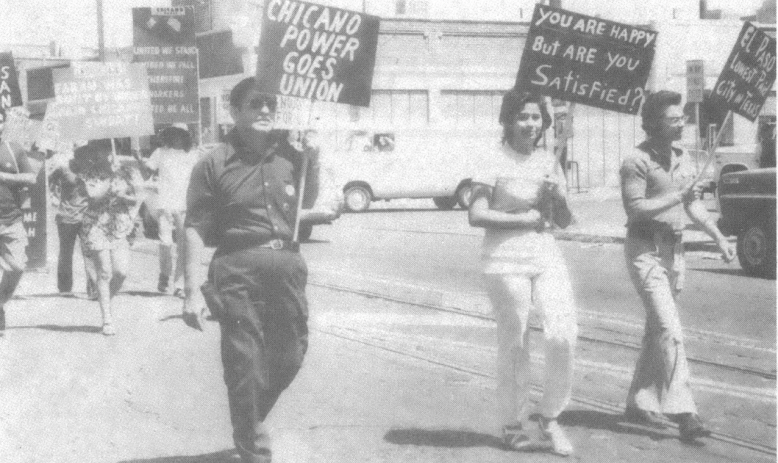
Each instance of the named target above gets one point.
<point>242,199</point>
<point>659,191</point>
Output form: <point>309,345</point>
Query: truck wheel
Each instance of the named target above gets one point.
<point>464,195</point>
<point>304,233</point>
<point>357,198</point>
<point>445,203</point>
<point>756,250</point>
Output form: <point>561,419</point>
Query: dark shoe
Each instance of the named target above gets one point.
<point>645,418</point>
<point>691,427</point>
<point>162,285</point>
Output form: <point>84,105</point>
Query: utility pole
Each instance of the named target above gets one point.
<point>100,32</point>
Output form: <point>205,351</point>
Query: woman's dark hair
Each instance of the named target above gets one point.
<point>513,103</point>
<point>93,160</point>
<point>170,136</point>
<point>654,109</point>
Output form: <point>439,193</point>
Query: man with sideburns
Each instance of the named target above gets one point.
<point>242,199</point>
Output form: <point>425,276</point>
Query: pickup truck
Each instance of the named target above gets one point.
<point>374,165</point>
<point>747,205</point>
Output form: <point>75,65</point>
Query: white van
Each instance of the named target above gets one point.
<point>383,165</point>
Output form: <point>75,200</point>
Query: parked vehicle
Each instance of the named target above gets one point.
<point>747,204</point>
<point>379,165</point>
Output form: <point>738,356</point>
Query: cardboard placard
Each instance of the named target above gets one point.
<point>164,42</point>
<point>19,128</point>
<point>49,136</point>
<point>695,81</point>
<point>588,60</point>
<point>34,214</point>
<point>748,74</point>
<point>102,100</point>
<point>10,94</point>
<point>317,52</point>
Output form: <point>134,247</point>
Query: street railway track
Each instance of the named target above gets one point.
<point>591,403</point>
<point>697,334</point>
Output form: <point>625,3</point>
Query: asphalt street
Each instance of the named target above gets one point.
<point>400,366</point>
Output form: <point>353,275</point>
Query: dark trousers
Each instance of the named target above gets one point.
<point>67,242</point>
<point>263,318</point>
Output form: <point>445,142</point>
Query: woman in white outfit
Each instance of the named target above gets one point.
<point>524,268</point>
<point>173,162</point>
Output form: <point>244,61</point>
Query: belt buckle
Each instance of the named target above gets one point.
<point>276,244</point>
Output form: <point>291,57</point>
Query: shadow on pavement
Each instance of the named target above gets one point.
<point>63,329</point>
<point>144,293</point>
<point>442,438</point>
<point>401,209</point>
<point>225,456</point>
<point>592,419</point>
<point>730,271</point>
<point>44,295</point>
<point>209,318</point>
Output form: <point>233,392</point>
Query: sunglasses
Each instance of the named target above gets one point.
<point>262,101</point>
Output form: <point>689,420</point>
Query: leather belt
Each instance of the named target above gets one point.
<point>279,244</point>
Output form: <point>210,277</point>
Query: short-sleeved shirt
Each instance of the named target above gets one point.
<point>516,185</point>
<point>645,175</point>
<point>73,198</point>
<point>238,198</point>
<point>10,195</point>
<point>175,168</point>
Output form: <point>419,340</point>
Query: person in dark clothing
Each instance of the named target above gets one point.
<point>15,174</point>
<point>73,202</point>
<point>242,198</point>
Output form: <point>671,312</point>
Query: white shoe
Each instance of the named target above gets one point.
<point>514,437</point>
<point>552,432</point>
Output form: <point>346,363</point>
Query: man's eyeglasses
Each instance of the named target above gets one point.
<point>677,120</point>
<point>262,101</point>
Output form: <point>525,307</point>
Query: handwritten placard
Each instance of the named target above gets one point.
<point>10,95</point>
<point>164,41</point>
<point>586,60</point>
<point>748,74</point>
<point>102,100</point>
<point>19,128</point>
<point>317,52</point>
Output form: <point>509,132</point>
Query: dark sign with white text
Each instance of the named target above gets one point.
<point>586,60</point>
<point>10,95</point>
<point>164,41</point>
<point>748,74</point>
<point>317,52</point>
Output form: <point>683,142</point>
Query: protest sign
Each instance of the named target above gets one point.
<point>695,80</point>
<point>34,216</point>
<point>102,100</point>
<point>316,52</point>
<point>48,136</point>
<point>586,60</point>
<point>19,128</point>
<point>10,94</point>
<point>164,42</point>
<point>748,74</point>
